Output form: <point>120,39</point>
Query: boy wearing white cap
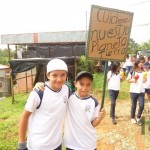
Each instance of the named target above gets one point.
<point>45,124</point>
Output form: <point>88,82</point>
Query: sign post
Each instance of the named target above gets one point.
<point>108,36</point>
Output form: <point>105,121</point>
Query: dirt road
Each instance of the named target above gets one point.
<point>123,135</point>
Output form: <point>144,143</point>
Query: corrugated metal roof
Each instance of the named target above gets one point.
<point>45,37</point>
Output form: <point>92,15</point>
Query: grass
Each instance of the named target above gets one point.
<point>9,118</point>
<point>10,113</point>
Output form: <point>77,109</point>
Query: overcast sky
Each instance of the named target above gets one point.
<point>31,16</point>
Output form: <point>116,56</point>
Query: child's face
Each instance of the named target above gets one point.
<point>118,69</point>
<point>140,65</point>
<point>57,79</point>
<point>83,87</point>
<point>147,68</point>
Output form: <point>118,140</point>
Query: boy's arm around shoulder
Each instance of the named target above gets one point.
<point>97,120</point>
<point>39,86</point>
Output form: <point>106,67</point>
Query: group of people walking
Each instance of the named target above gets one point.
<point>55,115</point>
<point>138,76</point>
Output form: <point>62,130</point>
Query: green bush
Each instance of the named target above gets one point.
<point>85,64</point>
<point>4,60</point>
<point>4,56</point>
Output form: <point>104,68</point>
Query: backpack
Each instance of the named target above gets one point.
<point>132,73</point>
<point>40,93</point>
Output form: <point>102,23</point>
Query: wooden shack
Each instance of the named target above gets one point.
<point>4,80</point>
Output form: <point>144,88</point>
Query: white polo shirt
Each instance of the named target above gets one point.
<point>46,123</point>
<point>79,134</point>
<point>113,81</point>
<point>137,87</point>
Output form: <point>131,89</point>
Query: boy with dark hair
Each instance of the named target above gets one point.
<point>83,114</point>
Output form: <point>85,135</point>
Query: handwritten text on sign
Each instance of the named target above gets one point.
<point>109,33</point>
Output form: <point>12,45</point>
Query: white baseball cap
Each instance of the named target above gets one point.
<point>56,64</point>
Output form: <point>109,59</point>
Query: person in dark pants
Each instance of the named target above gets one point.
<point>113,78</point>
<point>137,91</point>
<point>129,64</point>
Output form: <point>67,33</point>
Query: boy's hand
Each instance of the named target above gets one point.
<point>39,86</point>
<point>97,120</point>
<point>102,114</point>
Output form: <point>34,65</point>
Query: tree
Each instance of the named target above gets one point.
<point>85,64</point>
<point>132,47</point>
<point>4,56</point>
<point>145,46</point>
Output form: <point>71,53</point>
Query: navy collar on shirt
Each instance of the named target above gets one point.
<point>82,98</point>
<point>52,89</point>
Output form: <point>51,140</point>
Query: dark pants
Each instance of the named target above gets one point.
<point>113,97</point>
<point>134,98</point>
<point>128,69</point>
<point>58,148</point>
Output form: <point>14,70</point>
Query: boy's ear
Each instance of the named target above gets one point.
<point>75,83</point>
<point>48,74</point>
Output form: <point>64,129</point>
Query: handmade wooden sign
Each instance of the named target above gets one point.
<point>109,33</point>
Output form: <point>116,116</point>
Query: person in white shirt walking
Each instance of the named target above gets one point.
<point>113,79</point>
<point>129,64</point>
<point>137,91</point>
